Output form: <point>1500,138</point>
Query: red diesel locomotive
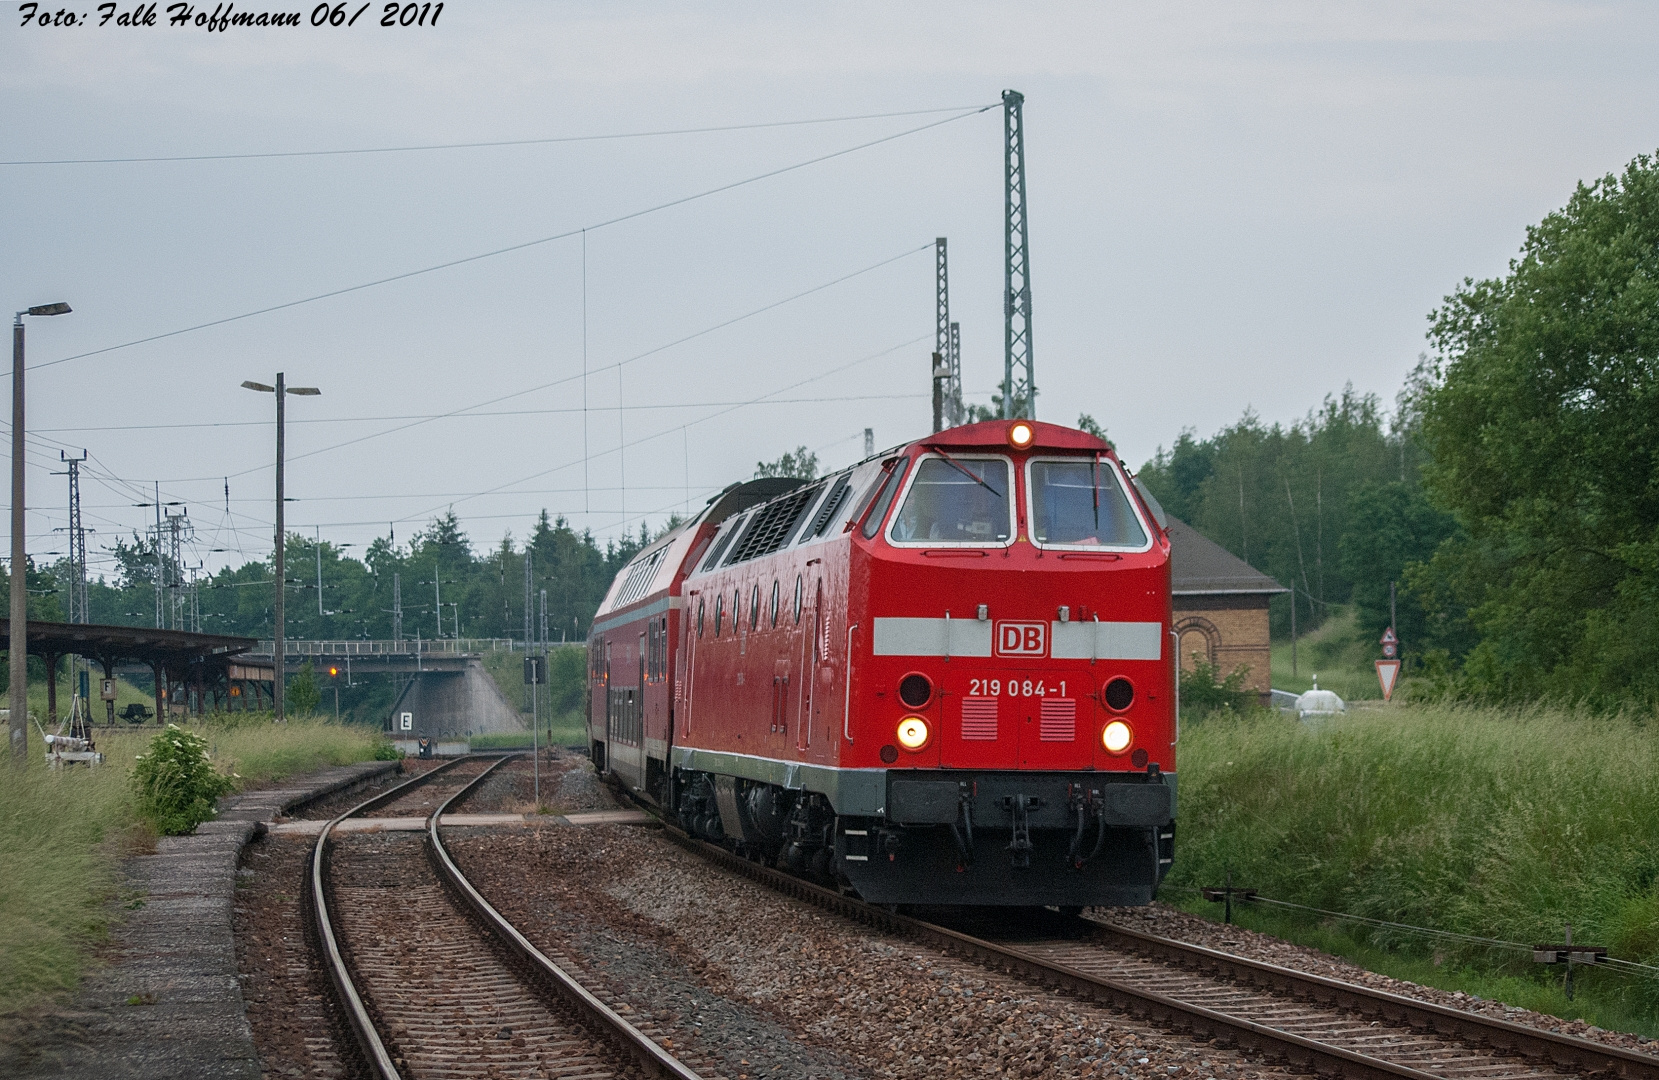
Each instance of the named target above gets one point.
<point>942,676</point>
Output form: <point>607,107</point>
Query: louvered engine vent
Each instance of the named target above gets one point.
<point>772,525</point>
<point>832,506</point>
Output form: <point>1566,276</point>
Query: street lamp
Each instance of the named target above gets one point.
<point>19,716</point>
<point>280,674</point>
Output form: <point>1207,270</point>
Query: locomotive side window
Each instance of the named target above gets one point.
<point>699,616</point>
<point>775,595</point>
<point>719,610</point>
<point>1081,503</point>
<point>800,594</point>
<point>956,501</point>
<point>889,486</point>
<point>754,607</point>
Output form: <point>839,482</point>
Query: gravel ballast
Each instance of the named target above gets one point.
<point>773,987</point>
<point>1169,922</point>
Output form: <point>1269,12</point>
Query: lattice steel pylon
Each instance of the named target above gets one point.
<point>946,339</point>
<point>77,542</point>
<point>953,397</point>
<point>1019,381</point>
<point>181,531</point>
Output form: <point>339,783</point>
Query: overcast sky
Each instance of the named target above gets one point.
<point>1231,205</point>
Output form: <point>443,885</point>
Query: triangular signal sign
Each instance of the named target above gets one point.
<point>1387,672</point>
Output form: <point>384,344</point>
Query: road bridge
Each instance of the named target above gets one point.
<point>443,690</point>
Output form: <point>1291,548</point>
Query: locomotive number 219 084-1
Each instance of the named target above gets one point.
<point>1014,688</point>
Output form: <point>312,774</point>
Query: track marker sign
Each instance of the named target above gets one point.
<point>1387,672</point>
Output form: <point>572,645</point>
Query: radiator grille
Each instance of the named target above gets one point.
<point>772,525</point>
<point>1058,722</point>
<point>979,718</point>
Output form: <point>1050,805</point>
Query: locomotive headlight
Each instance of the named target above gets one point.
<point>1020,435</point>
<point>1116,737</point>
<point>913,733</point>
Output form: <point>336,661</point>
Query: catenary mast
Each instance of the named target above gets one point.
<point>1019,382</point>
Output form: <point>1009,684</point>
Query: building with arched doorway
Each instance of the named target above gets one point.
<point>1220,608</point>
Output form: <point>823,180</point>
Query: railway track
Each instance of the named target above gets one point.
<point>1309,1022</point>
<point>433,981</point>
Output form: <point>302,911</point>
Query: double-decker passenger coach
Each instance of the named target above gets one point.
<point>942,676</point>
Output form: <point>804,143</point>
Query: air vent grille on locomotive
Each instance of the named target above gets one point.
<point>771,525</point>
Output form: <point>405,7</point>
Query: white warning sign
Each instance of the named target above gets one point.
<point>1387,672</point>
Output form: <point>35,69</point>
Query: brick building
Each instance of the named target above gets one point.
<point>1220,605</point>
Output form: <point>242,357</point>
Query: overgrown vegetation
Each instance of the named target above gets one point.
<point>61,834</point>
<point>1500,824</point>
<point>1204,690</point>
<point>176,785</point>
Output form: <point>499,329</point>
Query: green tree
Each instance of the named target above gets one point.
<point>1392,526</point>
<point>1278,497</point>
<point>1087,423</point>
<point>1540,414</point>
<point>800,463</point>
<point>303,694</point>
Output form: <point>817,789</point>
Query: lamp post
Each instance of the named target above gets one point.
<point>19,716</point>
<point>280,674</point>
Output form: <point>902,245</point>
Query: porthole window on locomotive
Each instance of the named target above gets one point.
<point>1119,694</point>
<point>719,612</point>
<point>754,607</point>
<point>800,597</point>
<point>915,690</point>
<point>699,618</point>
<point>776,593</point>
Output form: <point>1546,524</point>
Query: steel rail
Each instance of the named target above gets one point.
<point>1567,1051</point>
<point>636,1044</point>
<point>1185,1017</point>
<point>368,1039</point>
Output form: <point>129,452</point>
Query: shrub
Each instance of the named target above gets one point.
<point>1202,693</point>
<point>303,694</point>
<point>176,783</point>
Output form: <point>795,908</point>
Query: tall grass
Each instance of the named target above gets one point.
<point>62,834</point>
<point>1497,824</point>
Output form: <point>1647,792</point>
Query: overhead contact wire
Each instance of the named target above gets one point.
<point>449,264</point>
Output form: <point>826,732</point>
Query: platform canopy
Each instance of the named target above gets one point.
<point>111,645</point>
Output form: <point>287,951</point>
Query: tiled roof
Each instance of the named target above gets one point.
<point>1200,565</point>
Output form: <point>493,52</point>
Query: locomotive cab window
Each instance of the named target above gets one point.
<point>1080,502</point>
<point>957,500</point>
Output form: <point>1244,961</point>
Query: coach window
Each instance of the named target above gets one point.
<point>956,500</point>
<point>1081,503</point>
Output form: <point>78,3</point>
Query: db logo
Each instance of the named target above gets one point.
<point>1021,639</point>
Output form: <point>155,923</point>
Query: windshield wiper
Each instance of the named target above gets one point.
<point>1094,472</point>
<point>965,471</point>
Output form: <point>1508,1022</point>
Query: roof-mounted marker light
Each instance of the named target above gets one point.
<point>1020,435</point>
